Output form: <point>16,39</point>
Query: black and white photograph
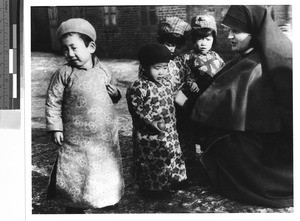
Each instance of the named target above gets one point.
<point>159,111</point>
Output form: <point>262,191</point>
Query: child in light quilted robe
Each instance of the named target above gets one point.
<point>80,115</point>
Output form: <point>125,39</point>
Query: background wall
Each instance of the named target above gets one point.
<point>122,30</point>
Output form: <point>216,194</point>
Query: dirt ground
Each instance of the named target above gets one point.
<point>200,197</point>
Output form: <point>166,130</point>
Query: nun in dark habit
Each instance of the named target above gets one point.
<point>246,113</point>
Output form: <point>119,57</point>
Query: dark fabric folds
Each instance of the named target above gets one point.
<point>246,167</point>
<point>248,113</point>
<point>275,80</point>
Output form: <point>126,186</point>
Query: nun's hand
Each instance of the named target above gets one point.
<point>194,87</point>
<point>180,98</point>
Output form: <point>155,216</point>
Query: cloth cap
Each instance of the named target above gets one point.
<point>78,25</point>
<point>204,21</point>
<point>153,53</point>
<point>237,17</point>
<point>174,25</point>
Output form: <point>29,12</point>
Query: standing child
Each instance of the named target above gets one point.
<point>173,33</point>
<point>157,153</point>
<point>80,115</point>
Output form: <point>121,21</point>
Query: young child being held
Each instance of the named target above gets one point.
<point>80,115</point>
<point>157,154</point>
<point>203,62</point>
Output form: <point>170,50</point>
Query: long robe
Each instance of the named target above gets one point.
<point>158,157</point>
<point>88,170</point>
<point>247,113</point>
<point>246,155</point>
<point>247,110</point>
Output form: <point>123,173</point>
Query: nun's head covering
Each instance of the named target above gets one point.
<point>237,17</point>
<point>257,20</point>
<point>274,46</point>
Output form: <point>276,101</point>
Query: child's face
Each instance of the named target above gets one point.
<point>170,46</point>
<point>76,53</point>
<point>158,71</point>
<point>203,45</point>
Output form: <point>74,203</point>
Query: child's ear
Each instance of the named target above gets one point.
<point>92,47</point>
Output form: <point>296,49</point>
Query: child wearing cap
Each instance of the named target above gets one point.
<point>80,115</point>
<point>203,62</point>
<point>157,154</point>
<point>173,32</point>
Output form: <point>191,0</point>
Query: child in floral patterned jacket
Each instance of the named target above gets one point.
<point>157,154</point>
<point>80,115</point>
<point>173,33</point>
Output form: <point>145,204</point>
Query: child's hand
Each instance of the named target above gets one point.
<point>58,137</point>
<point>194,87</point>
<point>180,98</point>
<point>112,90</point>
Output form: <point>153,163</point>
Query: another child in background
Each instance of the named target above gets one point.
<point>157,154</point>
<point>173,33</point>
<point>80,115</point>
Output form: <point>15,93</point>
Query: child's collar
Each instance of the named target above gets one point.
<point>199,53</point>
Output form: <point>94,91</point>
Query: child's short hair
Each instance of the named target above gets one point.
<point>176,39</point>
<point>198,34</point>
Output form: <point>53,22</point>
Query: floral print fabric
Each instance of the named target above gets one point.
<point>203,67</point>
<point>180,77</point>
<point>158,157</point>
<point>179,73</point>
<point>89,168</point>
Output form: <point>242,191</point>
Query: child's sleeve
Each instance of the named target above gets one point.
<point>188,63</point>
<point>222,63</point>
<point>219,62</point>
<point>113,81</point>
<point>135,99</point>
<point>54,102</point>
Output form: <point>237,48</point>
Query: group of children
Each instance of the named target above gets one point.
<point>81,117</point>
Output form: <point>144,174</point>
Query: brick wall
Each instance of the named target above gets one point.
<point>124,39</point>
<point>172,10</point>
<point>40,33</point>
